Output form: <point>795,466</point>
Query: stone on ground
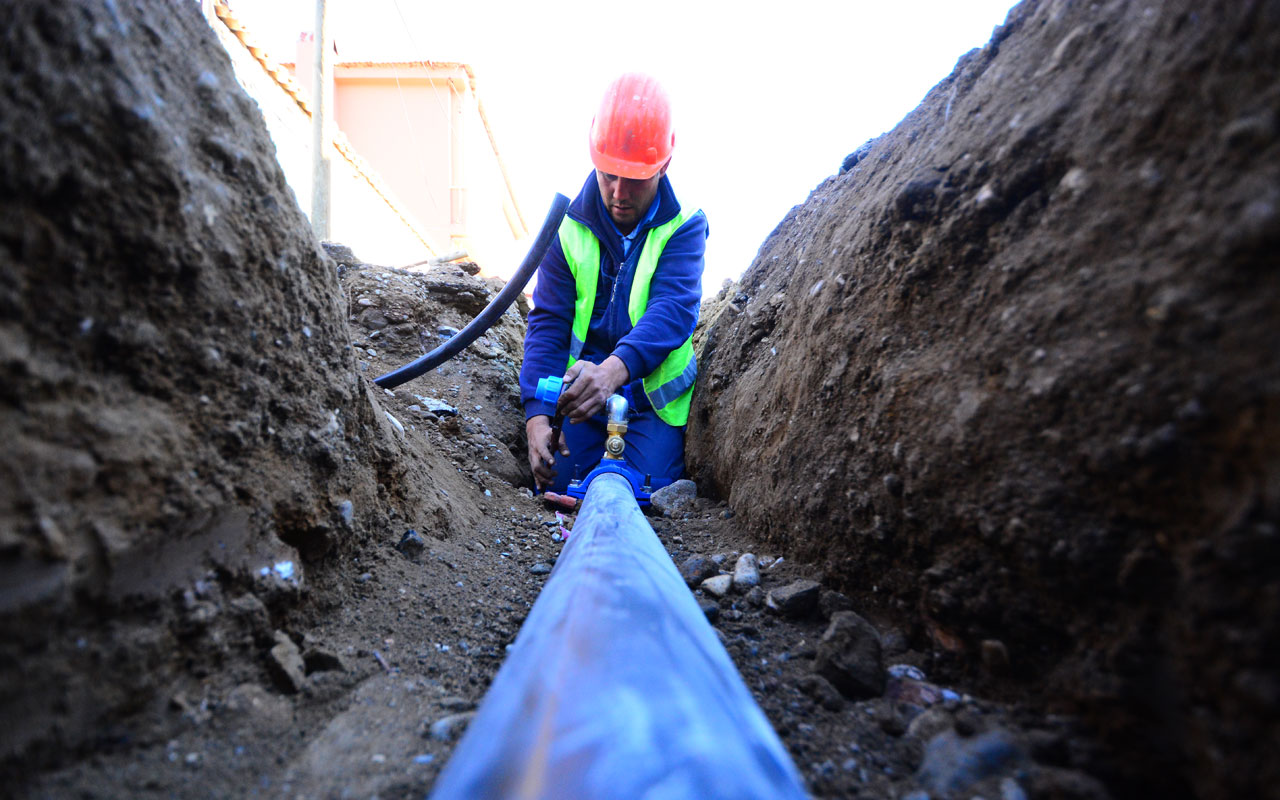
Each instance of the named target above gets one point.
<point>849,656</point>
<point>697,569</point>
<point>718,585</point>
<point>746,573</point>
<point>675,498</point>
<point>796,599</point>
<point>285,664</point>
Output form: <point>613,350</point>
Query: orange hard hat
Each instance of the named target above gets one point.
<point>631,134</point>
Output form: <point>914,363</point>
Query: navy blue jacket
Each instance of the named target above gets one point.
<point>674,295</point>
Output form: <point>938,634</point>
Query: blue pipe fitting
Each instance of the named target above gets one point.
<point>549,389</point>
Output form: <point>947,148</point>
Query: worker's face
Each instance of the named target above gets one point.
<point>628,199</point>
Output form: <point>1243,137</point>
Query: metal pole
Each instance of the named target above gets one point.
<point>617,686</point>
<point>321,112</point>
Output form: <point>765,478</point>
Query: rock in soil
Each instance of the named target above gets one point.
<point>675,498</point>
<point>286,666</point>
<point>710,608</point>
<point>796,599</point>
<point>849,656</point>
<point>746,573</point>
<point>832,602</point>
<point>447,729</point>
<point>717,586</point>
<point>697,569</point>
<point>411,544</point>
<point>319,659</point>
<point>823,693</point>
<point>952,763</point>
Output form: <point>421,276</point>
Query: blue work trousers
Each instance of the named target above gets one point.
<point>654,448</point>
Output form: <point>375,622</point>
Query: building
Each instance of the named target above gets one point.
<point>416,169</point>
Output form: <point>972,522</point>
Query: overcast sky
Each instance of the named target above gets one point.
<point>767,102</point>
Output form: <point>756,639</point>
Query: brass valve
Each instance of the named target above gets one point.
<point>617,427</point>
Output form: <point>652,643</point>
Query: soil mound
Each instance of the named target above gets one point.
<point>185,426</point>
<point>1012,375</point>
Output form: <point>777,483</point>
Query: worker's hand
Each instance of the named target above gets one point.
<point>541,459</point>
<point>592,385</point>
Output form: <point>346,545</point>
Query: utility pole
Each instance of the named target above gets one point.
<point>321,125</point>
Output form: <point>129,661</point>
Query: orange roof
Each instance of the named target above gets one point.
<point>458,65</point>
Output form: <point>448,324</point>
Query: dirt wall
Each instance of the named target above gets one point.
<point>185,432</point>
<point>1012,376</point>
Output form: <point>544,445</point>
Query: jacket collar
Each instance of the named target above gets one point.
<point>589,209</point>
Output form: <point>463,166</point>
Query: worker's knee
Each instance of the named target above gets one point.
<point>655,449</point>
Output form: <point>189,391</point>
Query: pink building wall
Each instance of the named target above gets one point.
<point>402,129</point>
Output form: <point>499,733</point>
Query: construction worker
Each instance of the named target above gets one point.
<point>617,300</point>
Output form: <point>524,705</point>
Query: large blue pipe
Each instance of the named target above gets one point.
<point>617,686</point>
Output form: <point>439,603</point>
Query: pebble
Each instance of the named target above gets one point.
<point>438,407</point>
<point>821,690</point>
<point>893,484</point>
<point>710,608</point>
<point>796,599</point>
<point>411,544</point>
<point>907,671</point>
<point>697,569</point>
<point>395,423</point>
<point>746,573</point>
<point>891,720</point>
<point>930,724</point>
<point>541,568</point>
<point>952,763</point>
<point>319,659</point>
<point>446,729</point>
<point>833,602</point>
<point>995,656</point>
<point>347,511</point>
<point>755,597</point>
<point>285,665</point>
<point>718,585</point>
<point>456,704</point>
<point>849,656</point>
<point>893,641</point>
<point>1010,790</point>
<point>365,577</point>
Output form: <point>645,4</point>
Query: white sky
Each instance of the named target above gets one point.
<point>768,98</point>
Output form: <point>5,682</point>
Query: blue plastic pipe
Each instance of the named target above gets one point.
<point>617,687</point>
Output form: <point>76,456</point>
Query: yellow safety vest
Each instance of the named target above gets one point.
<point>670,386</point>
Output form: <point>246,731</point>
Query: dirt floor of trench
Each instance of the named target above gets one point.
<point>365,687</point>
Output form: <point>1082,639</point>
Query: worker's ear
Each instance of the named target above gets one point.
<point>663,171</point>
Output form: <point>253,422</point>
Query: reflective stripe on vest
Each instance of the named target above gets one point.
<point>670,386</point>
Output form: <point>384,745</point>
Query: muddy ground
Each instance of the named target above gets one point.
<point>1026,432</point>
